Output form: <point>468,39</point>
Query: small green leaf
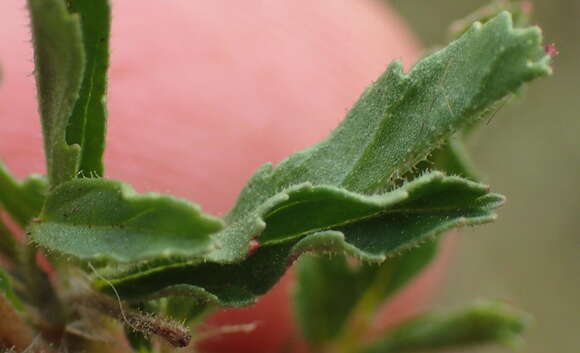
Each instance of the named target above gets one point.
<point>89,117</point>
<point>395,221</point>
<point>329,289</point>
<point>22,199</point>
<point>105,220</point>
<point>7,291</point>
<point>480,323</point>
<point>59,61</point>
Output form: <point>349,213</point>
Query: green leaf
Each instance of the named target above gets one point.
<point>7,291</point>
<point>323,316</point>
<point>22,199</point>
<point>330,289</point>
<point>399,120</point>
<point>105,220</point>
<point>384,225</point>
<point>479,323</point>
<point>59,68</point>
<point>89,117</point>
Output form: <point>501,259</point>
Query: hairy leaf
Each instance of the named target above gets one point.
<point>480,323</point>
<point>22,199</point>
<point>399,120</point>
<point>320,199</point>
<point>397,220</point>
<point>87,124</point>
<point>59,68</point>
<point>105,220</point>
<point>329,288</point>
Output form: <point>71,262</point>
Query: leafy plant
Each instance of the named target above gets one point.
<point>361,209</point>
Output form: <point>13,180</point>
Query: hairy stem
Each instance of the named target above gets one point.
<point>170,331</point>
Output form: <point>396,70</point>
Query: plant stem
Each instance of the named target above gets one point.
<point>8,244</point>
<point>42,295</point>
<point>362,316</point>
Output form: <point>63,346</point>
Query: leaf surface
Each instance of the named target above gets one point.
<point>105,220</point>
<point>87,125</point>
<point>398,121</point>
<point>408,216</point>
<point>59,69</point>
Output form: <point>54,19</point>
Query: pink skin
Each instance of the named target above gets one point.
<point>202,93</point>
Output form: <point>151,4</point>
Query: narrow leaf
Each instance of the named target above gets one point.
<point>410,215</point>
<point>59,61</point>
<point>480,323</point>
<point>87,125</point>
<point>22,199</point>
<point>105,220</point>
